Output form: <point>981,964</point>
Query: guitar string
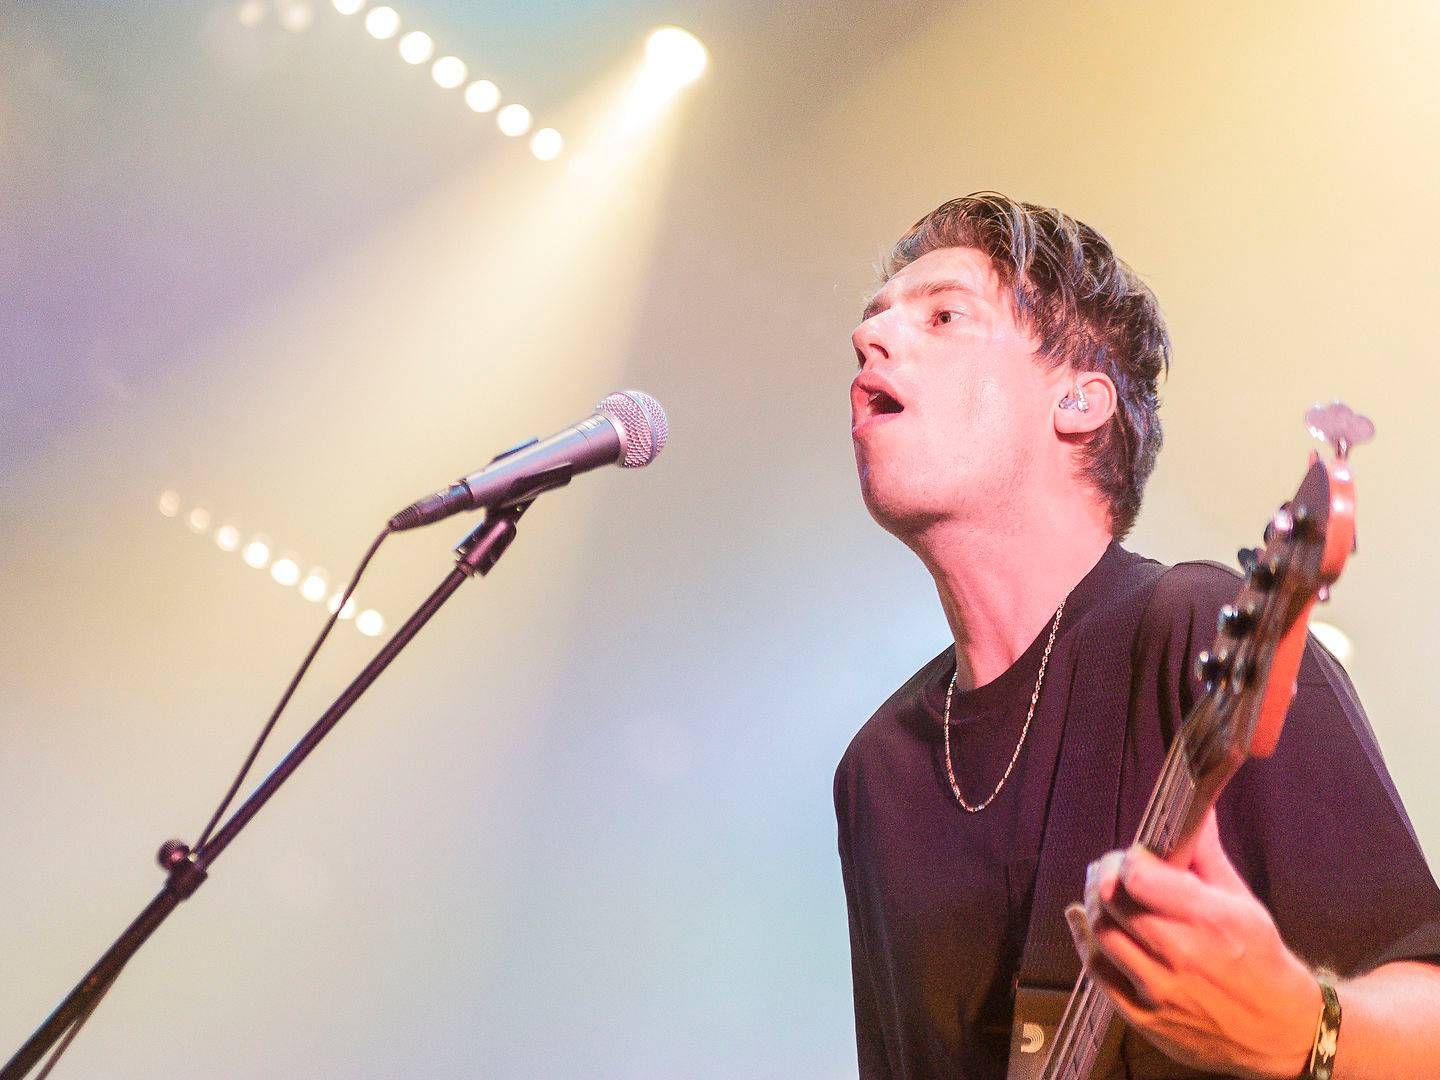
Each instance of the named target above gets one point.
<point>1164,811</point>
<point>1170,803</point>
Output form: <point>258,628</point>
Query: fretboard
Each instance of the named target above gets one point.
<point>1177,806</point>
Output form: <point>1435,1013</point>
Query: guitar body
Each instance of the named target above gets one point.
<point>1038,1014</point>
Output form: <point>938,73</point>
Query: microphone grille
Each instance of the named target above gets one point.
<point>642,424</point>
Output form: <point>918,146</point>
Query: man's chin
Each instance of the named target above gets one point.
<point>897,514</point>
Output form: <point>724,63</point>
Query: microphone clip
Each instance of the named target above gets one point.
<point>480,549</point>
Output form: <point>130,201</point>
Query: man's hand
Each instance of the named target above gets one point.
<point>1193,961</point>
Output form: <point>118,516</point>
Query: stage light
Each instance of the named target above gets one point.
<point>296,16</point>
<point>257,553</point>
<point>513,120</point>
<point>251,13</point>
<point>169,503</point>
<point>675,58</point>
<point>198,520</point>
<point>370,623</point>
<point>449,72</point>
<point>348,7</point>
<point>227,538</point>
<point>347,612</point>
<point>382,23</point>
<point>285,571</point>
<point>1334,639</point>
<point>547,144</point>
<point>315,586</point>
<point>416,47</point>
<point>482,95</point>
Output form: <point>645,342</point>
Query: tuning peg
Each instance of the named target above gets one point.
<point>1282,524</point>
<point>1260,568</point>
<point>1234,621</point>
<point>1304,522</point>
<point>1262,575</point>
<point>1210,667</point>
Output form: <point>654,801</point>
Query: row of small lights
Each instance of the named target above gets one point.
<point>285,570</point>
<point>315,585</point>
<point>417,47</point>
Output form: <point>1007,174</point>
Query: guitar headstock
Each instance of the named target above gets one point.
<point>1250,671</point>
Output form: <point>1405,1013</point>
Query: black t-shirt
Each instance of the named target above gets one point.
<point>939,898</point>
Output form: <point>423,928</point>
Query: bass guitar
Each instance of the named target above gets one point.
<point>1249,675</point>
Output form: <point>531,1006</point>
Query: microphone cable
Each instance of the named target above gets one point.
<point>294,684</point>
<point>290,691</point>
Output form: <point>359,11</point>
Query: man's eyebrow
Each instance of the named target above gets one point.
<point>879,302</point>
<point>876,304</point>
<point>930,288</point>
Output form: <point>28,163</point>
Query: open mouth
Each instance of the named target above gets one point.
<point>882,404</point>
<point>871,400</point>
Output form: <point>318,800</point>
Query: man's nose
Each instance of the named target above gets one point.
<point>869,340</point>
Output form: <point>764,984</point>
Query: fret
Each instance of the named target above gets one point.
<point>1172,801</point>
<point>1082,1031</point>
<point>1087,1019</point>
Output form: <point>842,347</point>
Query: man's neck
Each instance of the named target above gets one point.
<point>1000,589</point>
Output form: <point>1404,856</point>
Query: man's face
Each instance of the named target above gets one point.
<point>950,407</point>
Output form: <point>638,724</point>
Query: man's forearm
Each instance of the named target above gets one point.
<point>1390,1025</point>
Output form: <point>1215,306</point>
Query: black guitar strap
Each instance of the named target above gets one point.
<point>1080,826</point>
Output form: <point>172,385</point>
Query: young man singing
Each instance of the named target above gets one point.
<point>1005,422</point>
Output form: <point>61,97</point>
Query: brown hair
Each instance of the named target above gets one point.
<point>1087,308</point>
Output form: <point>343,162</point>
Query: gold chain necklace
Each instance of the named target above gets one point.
<point>1030,715</point>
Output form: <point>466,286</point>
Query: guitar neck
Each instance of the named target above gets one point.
<point>1171,822</point>
<point>1250,676</point>
<point>1186,790</point>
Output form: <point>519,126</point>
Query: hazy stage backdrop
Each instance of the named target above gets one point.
<point>263,282</point>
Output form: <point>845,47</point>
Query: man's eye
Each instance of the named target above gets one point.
<point>942,317</point>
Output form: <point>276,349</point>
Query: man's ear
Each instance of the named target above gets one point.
<point>1088,400</point>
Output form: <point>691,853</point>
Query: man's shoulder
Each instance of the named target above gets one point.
<point>897,720</point>
<point>1199,584</point>
<point>1184,595</point>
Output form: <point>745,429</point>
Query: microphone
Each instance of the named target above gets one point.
<point>627,429</point>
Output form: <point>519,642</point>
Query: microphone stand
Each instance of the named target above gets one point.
<point>477,553</point>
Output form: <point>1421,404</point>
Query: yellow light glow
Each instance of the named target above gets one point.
<point>416,47</point>
<point>315,586</point>
<point>513,120</point>
<point>257,553</point>
<point>227,538</point>
<point>547,144</point>
<point>251,13</point>
<point>370,623</point>
<point>675,57</point>
<point>297,16</point>
<point>285,571</point>
<point>1334,639</point>
<point>482,95</point>
<point>198,520</point>
<point>382,23</point>
<point>348,7</point>
<point>169,503</point>
<point>449,72</point>
<point>348,612</point>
